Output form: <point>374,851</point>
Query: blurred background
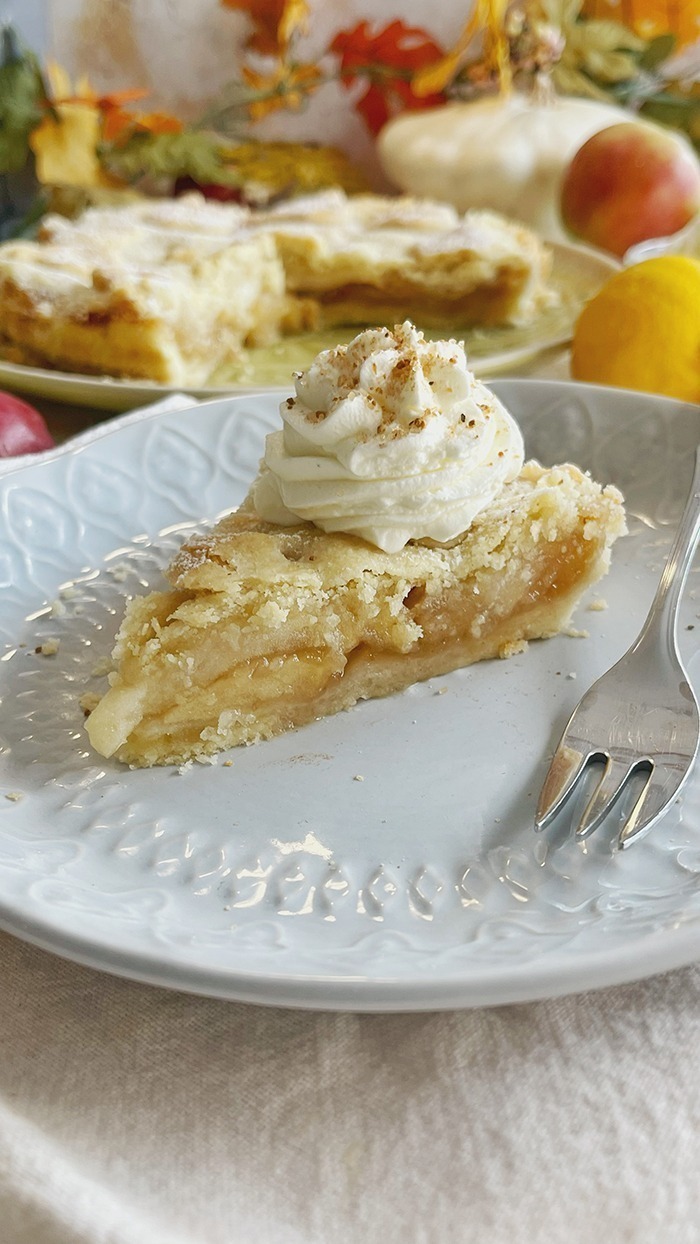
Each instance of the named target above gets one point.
<point>31,19</point>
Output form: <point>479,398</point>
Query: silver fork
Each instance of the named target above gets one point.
<point>640,718</point>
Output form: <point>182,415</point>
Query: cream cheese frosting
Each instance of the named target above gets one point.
<point>389,438</point>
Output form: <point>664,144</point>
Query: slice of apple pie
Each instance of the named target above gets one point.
<point>158,291</point>
<point>392,534</point>
<point>172,290</point>
<point>367,259</point>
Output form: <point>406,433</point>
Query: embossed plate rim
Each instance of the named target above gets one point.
<point>380,995</point>
<point>398,986</point>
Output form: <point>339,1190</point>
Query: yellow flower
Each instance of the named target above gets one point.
<point>651,17</point>
<point>65,148</point>
<point>65,143</point>
<point>279,166</point>
<point>488,16</point>
<point>294,17</point>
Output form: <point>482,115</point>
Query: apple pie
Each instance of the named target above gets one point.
<point>172,290</point>
<point>392,534</point>
<point>372,259</point>
<point>162,292</point>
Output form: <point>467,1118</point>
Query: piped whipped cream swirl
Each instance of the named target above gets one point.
<point>389,438</point>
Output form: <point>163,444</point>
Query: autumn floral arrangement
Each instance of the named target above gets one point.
<point>58,134</point>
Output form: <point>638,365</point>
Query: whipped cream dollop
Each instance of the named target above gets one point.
<point>389,438</point>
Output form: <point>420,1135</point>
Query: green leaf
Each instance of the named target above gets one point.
<point>672,110</point>
<point>22,202</point>
<point>22,95</point>
<point>193,154</point>
<point>570,81</point>
<point>657,51</point>
<point>229,109</point>
<point>609,66</point>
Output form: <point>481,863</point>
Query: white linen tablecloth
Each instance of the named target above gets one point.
<point>134,1115</point>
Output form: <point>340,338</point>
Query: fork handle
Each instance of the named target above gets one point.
<point>662,615</point>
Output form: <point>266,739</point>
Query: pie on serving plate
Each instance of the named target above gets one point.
<point>431,546</point>
<point>172,290</point>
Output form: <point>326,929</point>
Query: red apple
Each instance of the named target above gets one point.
<point>629,182</point>
<point>22,428</point>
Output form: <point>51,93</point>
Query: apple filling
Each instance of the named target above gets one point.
<point>267,628</point>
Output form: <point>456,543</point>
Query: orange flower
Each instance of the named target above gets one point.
<point>119,124</point>
<point>275,22</point>
<point>388,61</point>
<point>286,87</point>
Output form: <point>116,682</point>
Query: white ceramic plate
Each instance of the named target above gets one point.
<point>281,877</point>
<point>577,274</point>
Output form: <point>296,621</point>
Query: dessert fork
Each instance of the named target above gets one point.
<point>640,718</point>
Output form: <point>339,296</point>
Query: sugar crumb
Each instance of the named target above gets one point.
<point>572,674</point>
<point>48,648</point>
<point>512,648</point>
<point>358,778</point>
<point>574,632</point>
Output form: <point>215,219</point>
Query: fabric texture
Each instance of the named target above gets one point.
<point>133,1115</point>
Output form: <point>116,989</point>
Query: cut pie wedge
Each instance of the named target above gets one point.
<point>266,628</point>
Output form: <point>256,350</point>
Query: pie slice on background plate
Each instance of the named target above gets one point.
<point>172,290</point>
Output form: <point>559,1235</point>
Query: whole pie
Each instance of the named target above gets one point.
<point>273,619</point>
<point>173,290</point>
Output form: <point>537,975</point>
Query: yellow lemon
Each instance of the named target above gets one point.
<point>642,330</point>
